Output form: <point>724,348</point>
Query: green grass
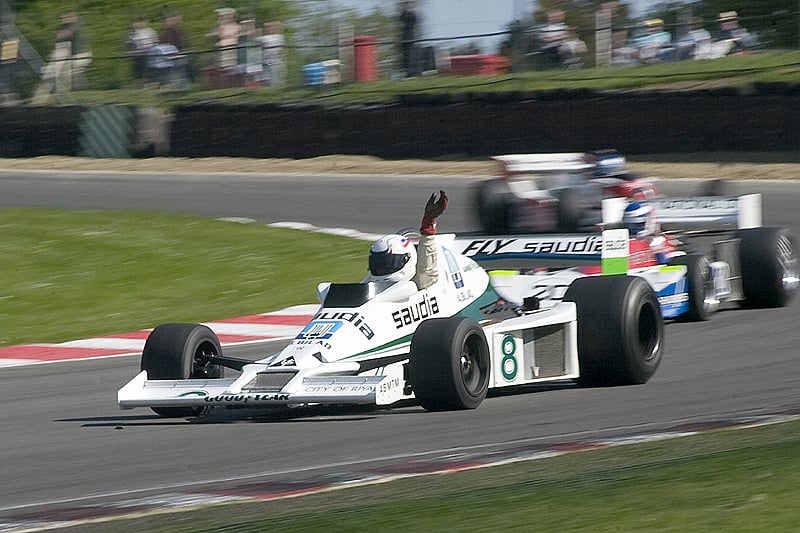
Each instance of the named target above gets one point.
<point>72,274</point>
<point>767,67</point>
<point>741,480</point>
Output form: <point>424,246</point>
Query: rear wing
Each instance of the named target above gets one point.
<point>704,213</point>
<point>542,163</point>
<point>609,249</point>
<point>560,162</point>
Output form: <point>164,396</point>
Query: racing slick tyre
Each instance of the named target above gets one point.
<point>494,207</point>
<point>716,187</point>
<point>620,330</point>
<point>570,211</point>
<point>702,301</point>
<point>448,366</point>
<point>179,351</point>
<point>769,266</point>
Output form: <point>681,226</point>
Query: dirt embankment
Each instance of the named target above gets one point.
<point>781,166</point>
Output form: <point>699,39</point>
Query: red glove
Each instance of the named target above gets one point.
<point>433,209</point>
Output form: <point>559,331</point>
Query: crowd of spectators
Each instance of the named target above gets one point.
<point>652,43</point>
<point>244,55</point>
<point>250,54</point>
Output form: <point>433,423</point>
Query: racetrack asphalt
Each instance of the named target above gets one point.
<point>739,366</point>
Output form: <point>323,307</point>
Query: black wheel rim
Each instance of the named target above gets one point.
<point>473,365</point>
<point>201,368</point>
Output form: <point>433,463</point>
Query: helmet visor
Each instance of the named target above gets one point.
<point>383,264</point>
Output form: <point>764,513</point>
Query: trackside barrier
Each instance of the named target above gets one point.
<point>106,131</point>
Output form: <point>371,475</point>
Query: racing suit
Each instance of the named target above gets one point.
<point>427,251</point>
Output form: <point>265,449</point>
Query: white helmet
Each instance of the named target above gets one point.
<point>392,258</point>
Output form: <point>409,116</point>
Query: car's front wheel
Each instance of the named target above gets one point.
<point>181,351</point>
<point>449,364</point>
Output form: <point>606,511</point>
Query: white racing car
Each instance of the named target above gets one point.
<point>444,346</point>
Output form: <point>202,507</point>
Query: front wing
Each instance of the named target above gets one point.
<point>244,391</point>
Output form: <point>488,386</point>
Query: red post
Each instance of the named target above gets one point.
<point>365,57</point>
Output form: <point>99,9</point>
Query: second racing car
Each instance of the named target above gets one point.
<point>744,262</point>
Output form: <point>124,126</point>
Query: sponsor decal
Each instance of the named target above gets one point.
<point>456,278</point>
<point>615,252</point>
<point>691,204</point>
<point>289,361</point>
<point>198,393</point>
<point>319,329</point>
<point>389,385</point>
<point>673,299</point>
<point>416,312</point>
<point>508,365</point>
<point>247,398</point>
<point>584,245</point>
<point>330,389</point>
<point>337,317</point>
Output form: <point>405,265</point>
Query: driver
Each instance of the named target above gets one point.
<point>648,245</point>
<point>640,220</point>
<point>393,258</point>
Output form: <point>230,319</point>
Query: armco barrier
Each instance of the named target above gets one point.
<point>765,118</point>
<point>113,131</point>
<point>484,125</point>
<point>37,131</point>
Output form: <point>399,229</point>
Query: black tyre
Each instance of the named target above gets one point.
<point>769,266</point>
<point>620,330</point>
<point>178,351</point>
<point>702,302</point>
<point>449,364</point>
<point>494,207</point>
<point>717,187</point>
<point>570,211</point>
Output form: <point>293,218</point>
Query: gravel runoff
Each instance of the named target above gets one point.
<point>733,165</point>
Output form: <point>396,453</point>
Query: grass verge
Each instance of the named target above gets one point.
<point>74,274</point>
<point>739,71</point>
<point>731,480</point>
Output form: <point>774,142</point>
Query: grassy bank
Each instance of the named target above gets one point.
<point>74,274</point>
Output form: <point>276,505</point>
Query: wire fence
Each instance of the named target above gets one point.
<point>367,58</point>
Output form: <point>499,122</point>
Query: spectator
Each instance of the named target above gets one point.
<point>167,66</point>
<point>408,35</point>
<point>696,44</point>
<point>68,61</point>
<point>273,54</point>
<point>732,38</point>
<point>226,38</point>
<point>248,57</point>
<point>70,35</point>
<point>572,51</point>
<point>174,34</point>
<point>140,39</point>
<point>551,37</point>
<point>655,44</point>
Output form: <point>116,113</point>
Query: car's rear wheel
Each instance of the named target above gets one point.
<point>620,330</point>
<point>449,364</point>
<point>769,266</point>
<point>494,207</point>
<point>181,351</point>
<point>570,210</point>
